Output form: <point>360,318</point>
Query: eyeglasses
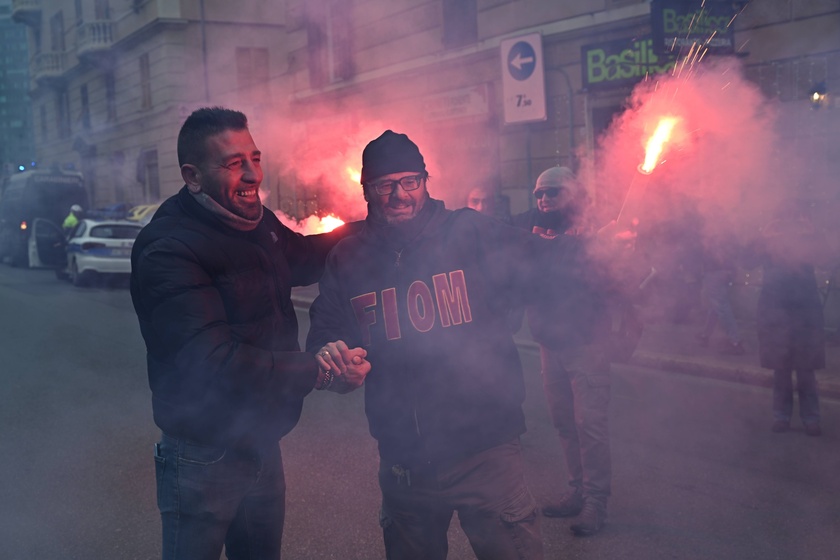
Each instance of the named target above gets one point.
<point>409,183</point>
<point>550,192</point>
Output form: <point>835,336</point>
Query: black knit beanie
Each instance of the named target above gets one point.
<point>390,153</point>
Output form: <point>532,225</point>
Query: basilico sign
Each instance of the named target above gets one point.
<point>622,62</point>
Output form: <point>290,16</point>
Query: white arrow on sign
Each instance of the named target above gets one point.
<point>518,61</point>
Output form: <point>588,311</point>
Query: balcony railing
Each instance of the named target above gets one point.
<point>49,67</point>
<point>27,12</point>
<point>94,38</point>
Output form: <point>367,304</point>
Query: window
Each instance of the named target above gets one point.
<point>115,232</point>
<point>145,82</point>
<point>85,116</point>
<point>79,17</point>
<point>148,175</point>
<point>43,115</point>
<point>102,9</point>
<point>62,112</point>
<point>252,70</point>
<point>36,39</point>
<point>339,41</point>
<point>329,42</point>
<point>57,32</point>
<point>111,97</point>
<point>460,23</point>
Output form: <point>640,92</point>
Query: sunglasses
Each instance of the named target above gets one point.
<point>550,192</point>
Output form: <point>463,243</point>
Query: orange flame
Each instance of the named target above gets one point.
<point>311,224</point>
<point>330,222</point>
<point>656,143</point>
<point>355,176</point>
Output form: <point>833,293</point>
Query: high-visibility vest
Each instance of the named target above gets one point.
<point>70,221</point>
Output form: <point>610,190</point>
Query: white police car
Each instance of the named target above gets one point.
<point>92,248</point>
<point>100,247</point>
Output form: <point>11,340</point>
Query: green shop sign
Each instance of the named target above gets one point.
<point>622,62</point>
<point>678,24</point>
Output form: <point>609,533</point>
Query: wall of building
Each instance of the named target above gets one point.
<point>131,140</point>
<point>16,143</point>
<point>396,65</point>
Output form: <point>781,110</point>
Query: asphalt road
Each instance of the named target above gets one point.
<point>697,473</point>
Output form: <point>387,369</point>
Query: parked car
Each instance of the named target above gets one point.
<point>143,213</point>
<point>91,249</point>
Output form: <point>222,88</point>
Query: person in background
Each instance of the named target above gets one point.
<point>211,276</point>
<point>720,252</point>
<point>790,313</point>
<point>575,361</point>
<point>72,219</point>
<point>426,291</point>
<point>489,201</point>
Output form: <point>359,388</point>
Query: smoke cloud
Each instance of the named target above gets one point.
<point>726,152</point>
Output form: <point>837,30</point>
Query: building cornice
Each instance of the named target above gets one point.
<point>577,23</point>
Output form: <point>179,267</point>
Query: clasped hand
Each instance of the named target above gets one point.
<point>348,365</point>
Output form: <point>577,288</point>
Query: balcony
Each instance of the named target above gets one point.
<point>94,40</point>
<point>27,12</point>
<point>49,67</point>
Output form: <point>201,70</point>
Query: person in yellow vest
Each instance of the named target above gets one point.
<point>72,219</point>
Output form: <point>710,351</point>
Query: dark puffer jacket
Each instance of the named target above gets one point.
<point>224,363</point>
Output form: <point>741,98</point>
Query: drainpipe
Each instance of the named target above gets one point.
<point>571,119</point>
<point>204,51</point>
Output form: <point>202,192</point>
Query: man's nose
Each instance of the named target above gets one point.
<point>399,192</point>
<point>252,173</point>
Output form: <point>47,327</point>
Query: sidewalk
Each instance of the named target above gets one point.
<point>673,348</point>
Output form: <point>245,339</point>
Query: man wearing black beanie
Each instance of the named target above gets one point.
<point>425,291</point>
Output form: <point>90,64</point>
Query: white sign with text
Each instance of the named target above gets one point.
<point>523,79</point>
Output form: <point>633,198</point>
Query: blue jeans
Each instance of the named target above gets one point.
<point>211,496</point>
<point>496,510</point>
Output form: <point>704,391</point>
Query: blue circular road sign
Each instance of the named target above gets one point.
<point>521,60</point>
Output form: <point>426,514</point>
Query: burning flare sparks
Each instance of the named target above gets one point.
<point>656,143</point>
<point>311,224</point>
<point>330,222</point>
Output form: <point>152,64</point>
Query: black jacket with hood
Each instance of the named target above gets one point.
<point>431,308</point>
<point>224,363</point>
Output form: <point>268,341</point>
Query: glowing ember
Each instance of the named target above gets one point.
<point>656,144</point>
<point>330,222</point>
<point>311,224</point>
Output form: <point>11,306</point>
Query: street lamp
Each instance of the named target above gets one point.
<point>818,96</point>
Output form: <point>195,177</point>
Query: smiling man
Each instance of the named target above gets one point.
<point>426,291</point>
<point>211,279</point>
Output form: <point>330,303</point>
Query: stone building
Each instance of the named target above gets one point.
<point>16,146</point>
<point>113,80</point>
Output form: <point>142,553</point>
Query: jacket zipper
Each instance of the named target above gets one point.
<point>414,405</point>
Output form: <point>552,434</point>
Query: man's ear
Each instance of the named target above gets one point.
<point>365,194</point>
<point>192,177</point>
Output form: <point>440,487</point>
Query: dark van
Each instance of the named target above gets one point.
<point>35,194</point>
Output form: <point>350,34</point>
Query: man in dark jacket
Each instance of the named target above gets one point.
<point>211,280</point>
<point>575,363</point>
<point>427,291</point>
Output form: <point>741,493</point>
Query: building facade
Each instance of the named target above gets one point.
<point>435,68</point>
<point>17,149</point>
<point>112,82</point>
